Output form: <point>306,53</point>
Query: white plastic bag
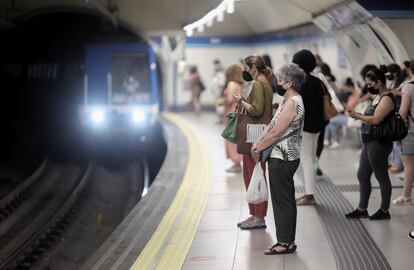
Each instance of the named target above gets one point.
<point>257,190</point>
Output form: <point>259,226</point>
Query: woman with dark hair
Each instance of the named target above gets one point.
<point>365,95</point>
<point>312,92</point>
<point>258,103</point>
<point>374,155</point>
<point>267,60</point>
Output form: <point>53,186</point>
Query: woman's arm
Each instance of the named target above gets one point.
<point>397,92</point>
<point>405,105</point>
<point>232,89</point>
<point>385,106</point>
<point>366,97</point>
<point>287,115</point>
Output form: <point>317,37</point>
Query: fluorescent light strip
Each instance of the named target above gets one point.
<point>208,19</point>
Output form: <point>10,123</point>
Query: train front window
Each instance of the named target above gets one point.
<point>131,81</point>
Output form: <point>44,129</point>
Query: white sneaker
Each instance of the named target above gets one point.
<point>401,200</point>
<point>335,145</point>
<point>326,143</point>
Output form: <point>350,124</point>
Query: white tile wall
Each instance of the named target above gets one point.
<point>280,53</point>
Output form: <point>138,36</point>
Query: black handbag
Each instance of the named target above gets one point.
<point>392,128</point>
<point>265,154</point>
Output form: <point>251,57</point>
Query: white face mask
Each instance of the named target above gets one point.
<point>248,86</point>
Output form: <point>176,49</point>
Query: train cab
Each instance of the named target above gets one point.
<point>120,92</point>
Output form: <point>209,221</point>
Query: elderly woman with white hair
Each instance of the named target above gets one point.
<point>284,136</point>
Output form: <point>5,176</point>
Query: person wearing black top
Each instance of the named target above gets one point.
<point>374,155</point>
<point>312,92</point>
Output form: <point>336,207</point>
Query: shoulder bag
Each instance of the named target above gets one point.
<point>329,110</point>
<point>230,132</point>
<point>392,128</point>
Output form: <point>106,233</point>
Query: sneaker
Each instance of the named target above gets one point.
<point>411,235</point>
<point>256,223</point>
<point>357,214</point>
<point>395,169</point>
<point>326,143</point>
<point>236,168</point>
<point>305,200</point>
<point>334,145</point>
<point>245,221</point>
<point>319,172</point>
<point>380,215</point>
<point>401,200</point>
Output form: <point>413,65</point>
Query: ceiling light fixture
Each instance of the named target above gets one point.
<point>208,19</point>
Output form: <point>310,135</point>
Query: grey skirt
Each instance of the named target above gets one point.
<point>407,145</point>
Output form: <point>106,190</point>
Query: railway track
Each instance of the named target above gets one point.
<point>39,210</point>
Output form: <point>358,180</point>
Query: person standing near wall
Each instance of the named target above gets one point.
<point>257,104</point>
<point>234,87</point>
<point>312,92</point>
<point>217,86</point>
<point>196,87</point>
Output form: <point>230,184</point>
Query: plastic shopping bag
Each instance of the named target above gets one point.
<point>257,190</point>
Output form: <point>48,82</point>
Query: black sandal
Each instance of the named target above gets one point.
<point>289,248</point>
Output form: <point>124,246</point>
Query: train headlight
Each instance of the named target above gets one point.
<point>138,116</point>
<point>98,116</point>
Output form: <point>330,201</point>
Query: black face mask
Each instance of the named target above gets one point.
<point>279,90</point>
<point>247,77</point>
<point>390,77</point>
<point>373,91</point>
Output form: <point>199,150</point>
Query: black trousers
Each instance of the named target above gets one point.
<point>374,158</point>
<point>282,190</point>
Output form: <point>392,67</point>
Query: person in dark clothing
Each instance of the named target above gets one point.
<point>312,92</point>
<point>374,155</point>
<point>324,68</point>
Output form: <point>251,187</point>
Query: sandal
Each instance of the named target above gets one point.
<point>288,248</point>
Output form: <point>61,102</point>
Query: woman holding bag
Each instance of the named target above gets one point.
<point>257,105</point>
<point>234,85</point>
<point>374,155</point>
<point>284,135</point>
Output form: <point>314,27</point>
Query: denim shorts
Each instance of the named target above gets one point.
<point>407,145</point>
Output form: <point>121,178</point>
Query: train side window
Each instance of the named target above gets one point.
<point>55,71</point>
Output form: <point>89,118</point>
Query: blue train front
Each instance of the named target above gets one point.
<point>120,93</point>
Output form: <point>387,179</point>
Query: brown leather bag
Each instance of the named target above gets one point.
<point>329,110</point>
<point>248,129</point>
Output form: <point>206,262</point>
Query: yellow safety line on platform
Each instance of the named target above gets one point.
<point>173,256</point>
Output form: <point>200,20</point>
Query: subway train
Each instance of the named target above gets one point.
<point>120,101</point>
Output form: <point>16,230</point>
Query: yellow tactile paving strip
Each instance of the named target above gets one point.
<point>171,241</point>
